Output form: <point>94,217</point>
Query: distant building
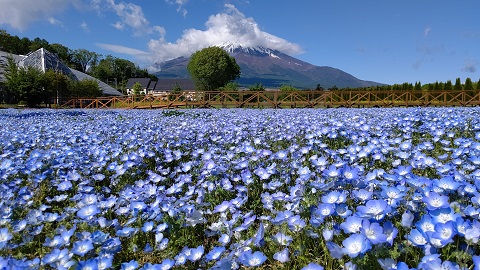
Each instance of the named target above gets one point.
<point>44,60</point>
<point>147,85</point>
<point>164,86</point>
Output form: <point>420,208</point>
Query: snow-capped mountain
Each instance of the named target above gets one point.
<point>272,69</point>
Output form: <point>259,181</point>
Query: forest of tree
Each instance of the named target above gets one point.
<point>109,69</point>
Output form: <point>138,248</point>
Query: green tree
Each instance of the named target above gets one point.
<point>458,84</point>
<point>85,88</point>
<point>62,52</point>
<point>176,89</point>
<point>418,86</point>
<point>468,84</point>
<point>26,84</point>
<point>478,84</point>
<point>287,88</point>
<point>257,87</point>
<point>57,85</point>
<point>231,86</point>
<point>212,68</point>
<point>333,88</point>
<point>137,88</point>
<point>448,85</point>
<point>319,88</point>
<point>83,59</point>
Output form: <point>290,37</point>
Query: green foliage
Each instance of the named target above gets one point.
<point>418,86</point>
<point>82,59</point>
<point>333,88</point>
<point>448,85</point>
<point>137,88</point>
<point>319,88</point>
<point>231,86</point>
<point>86,88</point>
<point>57,84</point>
<point>176,89</point>
<point>212,68</point>
<point>26,84</point>
<point>257,87</point>
<point>468,84</point>
<point>478,84</point>
<point>458,84</point>
<point>287,88</point>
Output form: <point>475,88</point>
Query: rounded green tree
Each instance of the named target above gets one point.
<point>212,68</point>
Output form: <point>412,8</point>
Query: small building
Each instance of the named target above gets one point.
<point>147,85</point>
<point>164,86</point>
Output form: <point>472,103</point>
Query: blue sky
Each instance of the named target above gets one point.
<point>378,40</point>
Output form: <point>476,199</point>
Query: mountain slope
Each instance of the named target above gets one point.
<point>272,69</point>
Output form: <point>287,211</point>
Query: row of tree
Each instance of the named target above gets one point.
<point>109,69</point>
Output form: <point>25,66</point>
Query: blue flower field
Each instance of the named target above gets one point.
<point>240,188</point>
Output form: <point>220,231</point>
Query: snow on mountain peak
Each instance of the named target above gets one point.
<point>232,47</point>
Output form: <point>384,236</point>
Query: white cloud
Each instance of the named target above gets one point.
<point>470,66</point>
<point>20,14</point>
<point>54,21</point>
<point>427,30</point>
<point>84,26</point>
<point>180,4</point>
<point>118,26</point>
<point>230,26</point>
<point>130,15</point>
<point>122,49</point>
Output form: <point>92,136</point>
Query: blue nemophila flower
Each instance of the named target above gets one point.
<point>166,264</point>
<point>224,239</point>
<point>259,235</point>
<point>163,244</point>
<point>443,235</point>
<point>80,248</point>
<point>196,253</point>
<point>332,172</point>
<point>112,246</point>
<point>5,236</point>
<point>282,256</point>
<point>376,209</point>
<point>104,262</point>
<point>476,262</point>
<point>407,219</point>
<point>250,259</point>
<point>434,201</point>
<point>64,186</point>
<point>373,232</point>
<point>222,207</point>
<point>312,266</point>
<point>181,257</point>
<point>472,233</point>
<point>352,224</point>
<point>417,238</point>
<point>131,265</point>
<point>296,223</point>
<point>214,254</point>
<point>335,197</point>
<point>91,264</point>
<point>350,173</point>
<point>355,245</point>
<point>56,242</point>
<point>88,212</point>
<point>147,226</point>
<point>126,232</point>
<point>362,194</point>
<point>335,250</point>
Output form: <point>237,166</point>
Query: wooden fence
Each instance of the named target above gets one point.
<point>278,99</point>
